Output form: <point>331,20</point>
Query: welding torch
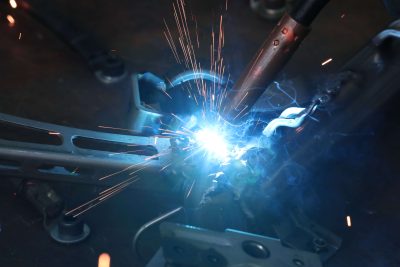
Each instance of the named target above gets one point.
<point>277,49</point>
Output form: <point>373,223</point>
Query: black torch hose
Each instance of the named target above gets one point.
<point>305,11</point>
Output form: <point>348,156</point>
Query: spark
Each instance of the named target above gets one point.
<point>197,32</point>
<point>348,220</point>
<point>210,141</point>
<point>104,260</point>
<point>127,152</point>
<point>13,3</point>
<point>326,61</point>
<point>299,129</point>
<point>190,189</point>
<point>185,48</point>
<point>11,20</point>
<point>103,196</point>
<point>165,92</point>
<point>119,129</point>
<point>292,98</point>
<point>241,100</point>
<point>241,113</point>
<point>119,172</point>
<point>177,117</point>
<point>110,189</point>
<point>20,36</point>
<point>165,167</point>
<point>171,42</point>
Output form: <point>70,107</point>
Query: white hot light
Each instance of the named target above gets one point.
<point>213,143</point>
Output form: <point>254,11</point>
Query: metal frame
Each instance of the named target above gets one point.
<point>26,159</point>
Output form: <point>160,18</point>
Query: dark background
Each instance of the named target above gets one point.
<point>43,79</point>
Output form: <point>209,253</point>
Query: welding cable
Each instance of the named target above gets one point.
<point>305,11</point>
<point>156,220</point>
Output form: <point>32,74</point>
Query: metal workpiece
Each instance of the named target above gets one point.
<point>185,245</point>
<point>149,224</point>
<point>269,60</point>
<point>300,232</point>
<point>106,66</point>
<point>392,32</point>
<point>141,117</point>
<point>74,155</point>
<point>291,117</point>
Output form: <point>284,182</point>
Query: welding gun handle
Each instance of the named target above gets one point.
<point>278,48</point>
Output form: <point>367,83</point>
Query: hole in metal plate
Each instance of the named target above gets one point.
<point>116,147</point>
<point>19,133</point>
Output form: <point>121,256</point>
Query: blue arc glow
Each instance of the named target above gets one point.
<point>213,142</point>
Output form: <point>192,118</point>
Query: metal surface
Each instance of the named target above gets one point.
<point>107,67</point>
<point>190,246</point>
<point>70,162</point>
<point>69,231</point>
<point>269,60</point>
<point>386,34</point>
<point>141,118</point>
<point>300,232</point>
<point>156,220</point>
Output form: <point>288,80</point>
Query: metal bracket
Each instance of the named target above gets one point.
<point>53,152</point>
<point>185,245</point>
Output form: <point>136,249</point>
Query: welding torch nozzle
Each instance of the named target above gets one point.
<point>277,49</point>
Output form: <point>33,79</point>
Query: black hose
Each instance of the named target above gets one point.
<point>305,11</point>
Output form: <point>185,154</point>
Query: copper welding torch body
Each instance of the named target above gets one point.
<point>269,60</point>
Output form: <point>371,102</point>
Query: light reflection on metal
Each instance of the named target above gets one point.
<point>291,117</point>
<point>29,156</point>
<point>196,75</point>
<point>393,33</point>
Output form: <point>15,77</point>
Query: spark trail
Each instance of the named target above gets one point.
<point>185,44</point>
